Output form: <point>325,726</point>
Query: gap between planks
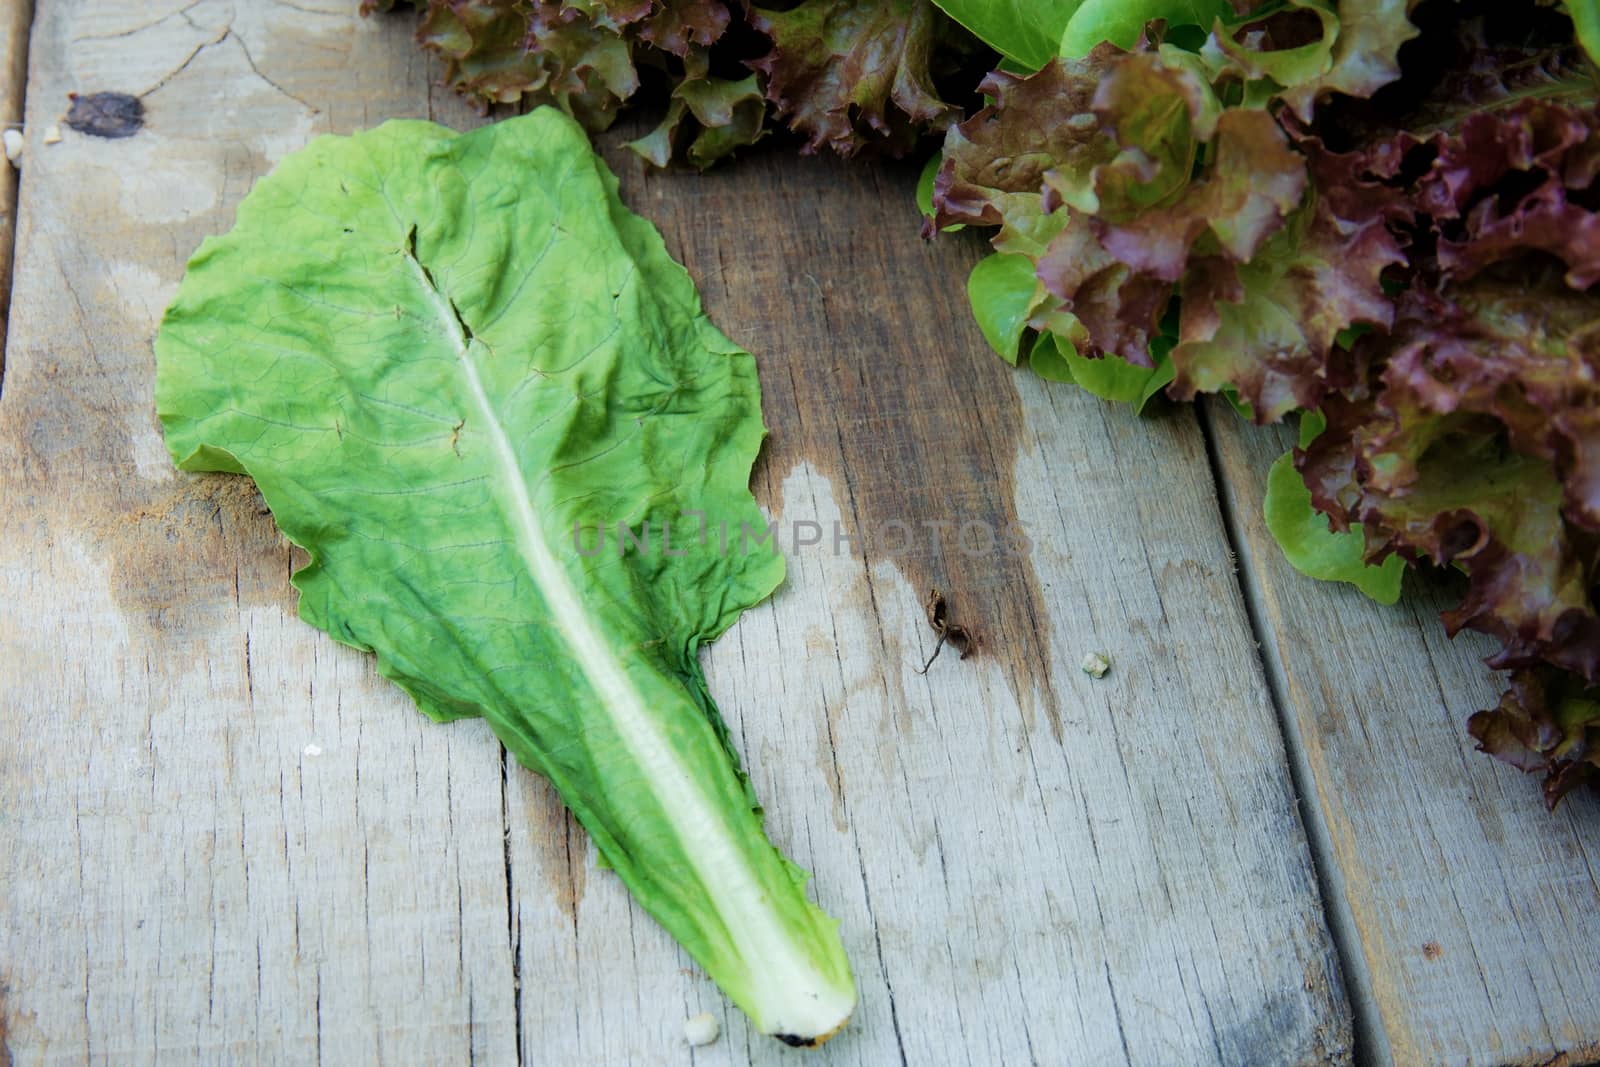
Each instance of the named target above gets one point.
<point>16,20</point>
<point>1371,1042</point>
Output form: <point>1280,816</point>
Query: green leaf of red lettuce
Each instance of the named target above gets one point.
<point>1107,377</point>
<point>1308,542</point>
<point>1003,292</point>
<point>1030,35</point>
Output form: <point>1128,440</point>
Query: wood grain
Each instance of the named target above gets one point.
<point>227,839</point>
<point>1473,914</point>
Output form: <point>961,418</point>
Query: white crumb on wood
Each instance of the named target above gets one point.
<point>701,1029</point>
<point>1095,664</point>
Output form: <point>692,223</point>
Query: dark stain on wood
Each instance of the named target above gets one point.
<point>872,369</point>
<point>560,840</point>
<point>108,115</point>
<point>183,550</point>
<point>178,547</point>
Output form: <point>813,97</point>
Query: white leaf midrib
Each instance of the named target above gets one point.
<point>738,897</point>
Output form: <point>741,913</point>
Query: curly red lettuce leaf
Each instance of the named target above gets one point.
<point>685,24</point>
<point>1519,179</point>
<point>848,74</point>
<point>504,51</point>
<point>1473,436</point>
<point>994,164</point>
<point>1473,442</point>
<point>1267,329</point>
<point>1126,180</point>
<point>1547,723</point>
<point>845,74</point>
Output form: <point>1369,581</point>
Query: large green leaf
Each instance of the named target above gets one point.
<point>1024,32</point>
<point>1586,18</point>
<point>440,357</point>
<point>1122,21</point>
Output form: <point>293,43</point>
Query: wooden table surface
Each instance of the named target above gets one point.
<point>1263,838</point>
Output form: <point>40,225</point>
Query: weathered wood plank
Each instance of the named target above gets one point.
<point>186,877</point>
<point>1029,865</point>
<point>1475,914</point>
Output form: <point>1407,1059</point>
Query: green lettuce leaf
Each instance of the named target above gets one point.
<point>1586,18</point>
<point>722,114</point>
<point>1363,55</point>
<point>1026,33</point>
<point>453,364</point>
